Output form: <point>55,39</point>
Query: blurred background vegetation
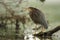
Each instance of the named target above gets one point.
<point>11,10</point>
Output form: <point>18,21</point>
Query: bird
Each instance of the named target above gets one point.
<point>37,17</point>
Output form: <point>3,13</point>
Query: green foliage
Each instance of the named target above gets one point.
<point>42,0</point>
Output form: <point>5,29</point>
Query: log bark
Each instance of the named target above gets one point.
<point>47,34</point>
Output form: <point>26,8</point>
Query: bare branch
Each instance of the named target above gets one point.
<point>8,8</point>
<point>48,33</point>
<point>19,2</point>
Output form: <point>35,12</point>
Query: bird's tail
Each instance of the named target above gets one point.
<point>46,26</point>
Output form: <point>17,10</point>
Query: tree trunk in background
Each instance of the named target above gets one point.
<point>17,37</point>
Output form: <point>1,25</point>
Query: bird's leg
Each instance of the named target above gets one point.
<point>35,28</point>
<point>35,31</point>
<point>42,29</point>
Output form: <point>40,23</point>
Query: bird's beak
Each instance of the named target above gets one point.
<point>27,9</point>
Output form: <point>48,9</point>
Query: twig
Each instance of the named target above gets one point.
<point>8,8</point>
<point>19,2</point>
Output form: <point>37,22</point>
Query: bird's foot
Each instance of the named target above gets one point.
<point>43,30</point>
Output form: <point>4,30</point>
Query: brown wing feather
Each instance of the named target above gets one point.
<point>38,17</point>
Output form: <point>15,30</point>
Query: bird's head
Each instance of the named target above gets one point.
<point>29,9</point>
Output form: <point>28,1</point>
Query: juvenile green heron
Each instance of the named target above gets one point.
<point>37,17</point>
